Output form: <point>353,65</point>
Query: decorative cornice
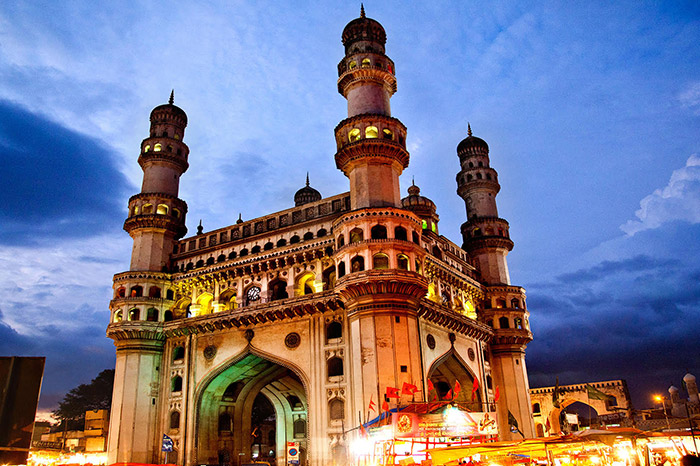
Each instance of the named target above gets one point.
<point>383,150</point>
<point>447,318</point>
<point>165,222</point>
<point>387,282</point>
<point>373,75</point>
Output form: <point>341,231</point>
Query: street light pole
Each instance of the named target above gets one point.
<point>662,400</point>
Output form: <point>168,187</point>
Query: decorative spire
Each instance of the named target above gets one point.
<point>362,10</point>
<point>240,218</point>
<point>469,129</point>
<point>200,228</point>
<point>413,181</point>
<point>172,97</point>
<point>307,178</point>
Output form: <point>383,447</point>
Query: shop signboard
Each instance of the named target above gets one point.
<point>292,452</point>
<point>452,422</point>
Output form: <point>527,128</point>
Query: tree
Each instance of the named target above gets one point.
<point>87,397</point>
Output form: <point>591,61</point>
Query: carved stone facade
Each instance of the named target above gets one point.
<point>309,314</point>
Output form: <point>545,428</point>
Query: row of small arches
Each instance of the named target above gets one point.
<point>137,291</point>
<point>372,132</point>
<point>376,232</point>
<point>379,261</point>
<point>503,303</point>
<point>152,315</point>
<point>479,176</point>
<point>165,134</point>
<point>504,323</point>
<point>488,232</point>
<point>367,63</point>
<point>159,209</point>
<point>159,147</point>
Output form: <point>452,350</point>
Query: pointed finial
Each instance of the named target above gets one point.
<point>307,178</point>
<point>469,129</point>
<point>240,218</point>
<point>413,181</point>
<point>362,10</point>
<point>200,228</point>
<point>172,97</point>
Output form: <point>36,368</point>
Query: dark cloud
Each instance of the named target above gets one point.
<point>56,183</point>
<point>633,318</point>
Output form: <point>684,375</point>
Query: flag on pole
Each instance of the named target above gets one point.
<point>385,406</point>
<point>372,406</point>
<point>595,394</point>
<point>392,392</point>
<point>363,431</point>
<point>408,389</point>
<point>475,388</point>
<point>458,387</point>
<point>497,394</point>
<point>449,395</point>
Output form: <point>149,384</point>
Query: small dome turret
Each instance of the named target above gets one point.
<point>306,194</point>
<point>672,389</point>
<point>472,144</point>
<point>688,377</point>
<point>364,29</point>
<point>421,206</point>
<point>169,113</point>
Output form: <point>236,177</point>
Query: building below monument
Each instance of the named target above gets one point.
<point>290,329</point>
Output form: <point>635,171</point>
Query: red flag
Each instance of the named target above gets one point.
<point>392,392</point>
<point>475,388</point>
<point>363,431</point>
<point>372,406</point>
<point>449,395</point>
<point>431,387</point>
<point>458,387</point>
<point>385,406</point>
<point>497,395</point>
<point>408,389</point>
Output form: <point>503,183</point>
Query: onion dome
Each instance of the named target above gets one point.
<point>672,389</point>
<point>363,29</point>
<point>414,201</point>
<point>472,144</point>
<point>688,378</point>
<point>169,111</point>
<point>306,194</point>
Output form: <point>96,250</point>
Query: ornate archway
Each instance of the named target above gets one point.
<point>443,374</point>
<point>247,410</point>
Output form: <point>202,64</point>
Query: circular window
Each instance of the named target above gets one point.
<point>210,352</point>
<point>431,341</point>
<point>470,353</point>
<point>292,340</point>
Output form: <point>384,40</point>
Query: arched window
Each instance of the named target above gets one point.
<point>152,314</point>
<point>167,316</point>
<point>356,235</point>
<point>479,176</point>
<point>334,330</point>
<point>436,252</point>
<point>118,316</point>
<point>232,255</point>
<point>121,292</point>
<point>157,148</point>
<point>366,63</point>
<point>418,267</point>
<point>378,232</point>
<point>481,164</point>
<point>169,148</point>
<point>179,353</point>
<point>294,239</point>
<point>328,277</point>
<point>165,134</point>
<point>136,291</point>
<point>224,422</point>
<point>147,148</point>
<point>321,233</point>
<point>415,237</point>
<point>400,233</point>
<point>354,135</point>
<point>341,269</point>
<point>380,261</point>
<point>175,420</point>
<point>371,132</point>
<point>500,302</point>
<point>503,322</point>
<point>514,303</point>
<point>336,409</point>
<point>162,209</point>
<point>299,428</point>
<point>357,264</point>
<point>232,391</point>
<point>518,323</point>
<point>387,134</point>
<point>200,263</point>
<point>221,258</point>
<point>134,314</point>
<point>190,266</point>
<point>244,252</point>
<point>341,241</point>
<point>471,164</point>
<point>535,408</point>
<point>170,294</point>
<point>476,232</point>
<point>402,262</point>
<point>335,367</point>
<point>352,65</point>
<point>268,246</point>
<point>282,242</point>
<point>210,261</point>
<point>308,236</point>
<point>154,292</point>
<point>176,384</point>
<point>255,249</point>
<point>278,290</point>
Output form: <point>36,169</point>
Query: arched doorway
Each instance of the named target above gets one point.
<point>248,411</point>
<point>444,374</point>
<point>577,416</point>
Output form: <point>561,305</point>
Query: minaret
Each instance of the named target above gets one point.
<point>371,144</point>
<point>144,293</point>
<point>156,215</point>
<point>488,242</point>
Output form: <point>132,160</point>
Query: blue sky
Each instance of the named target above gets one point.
<point>591,111</point>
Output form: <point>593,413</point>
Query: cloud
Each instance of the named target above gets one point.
<point>56,183</point>
<point>678,201</point>
<point>690,98</point>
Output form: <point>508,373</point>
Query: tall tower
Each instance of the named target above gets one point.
<point>143,295</point>
<point>371,144</point>
<point>487,241</point>
<point>378,252</point>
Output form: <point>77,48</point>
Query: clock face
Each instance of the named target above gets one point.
<point>253,293</point>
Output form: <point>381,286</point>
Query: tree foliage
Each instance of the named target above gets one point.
<point>87,397</point>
